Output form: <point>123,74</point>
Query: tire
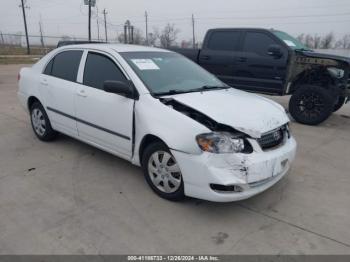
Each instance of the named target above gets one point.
<point>311,105</point>
<point>164,182</point>
<point>40,123</point>
<point>339,103</point>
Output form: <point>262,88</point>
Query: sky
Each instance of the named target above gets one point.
<point>70,17</point>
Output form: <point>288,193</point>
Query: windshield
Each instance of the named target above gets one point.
<point>290,41</point>
<point>165,72</point>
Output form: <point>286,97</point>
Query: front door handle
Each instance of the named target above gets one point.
<point>205,57</point>
<point>242,59</point>
<point>82,93</point>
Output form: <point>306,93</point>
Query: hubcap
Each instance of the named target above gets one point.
<point>311,105</point>
<point>38,121</point>
<point>164,172</point>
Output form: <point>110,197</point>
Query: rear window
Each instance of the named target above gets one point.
<point>66,64</point>
<point>224,40</point>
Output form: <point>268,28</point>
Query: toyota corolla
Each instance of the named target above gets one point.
<point>192,134</point>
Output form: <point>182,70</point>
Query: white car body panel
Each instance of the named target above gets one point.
<point>118,125</point>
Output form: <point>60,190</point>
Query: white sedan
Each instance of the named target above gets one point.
<point>192,134</point>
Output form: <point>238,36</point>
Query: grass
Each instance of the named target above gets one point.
<point>17,60</point>
<point>18,50</point>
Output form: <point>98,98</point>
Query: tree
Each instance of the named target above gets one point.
<point>168,35</point>
<point>344,42</point>
<point>316,41</point>
<point>153,37</point>
<point>327,41</point>
<point>309,41</point>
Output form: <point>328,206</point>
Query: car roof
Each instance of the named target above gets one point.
<point>116,47</point>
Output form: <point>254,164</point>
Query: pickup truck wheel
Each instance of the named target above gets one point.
<point>162,172</point>
<point>311,105</point>
<point>41,123</point>
<point>340,102</point>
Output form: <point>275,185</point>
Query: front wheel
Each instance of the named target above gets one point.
<point>162,172</point>
<point>311,105</point>
<point>340,102</point>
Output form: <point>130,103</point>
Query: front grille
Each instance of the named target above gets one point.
<point>273,138</point>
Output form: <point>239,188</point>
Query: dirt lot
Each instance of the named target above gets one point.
<point>66,197</point>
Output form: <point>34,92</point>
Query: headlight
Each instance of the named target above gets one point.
<point>336,72</point>
<point>221,142</point>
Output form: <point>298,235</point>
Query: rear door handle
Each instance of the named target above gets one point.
<point>205,57</point>
<point>44,82</point>
<point>242,59</point>
<point>82,93</point>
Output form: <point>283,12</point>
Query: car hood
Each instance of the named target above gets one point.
<point>326,56</point>
<point>251,114</point>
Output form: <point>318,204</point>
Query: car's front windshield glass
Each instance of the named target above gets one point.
<point>290,41</point>
<point>165,72</point>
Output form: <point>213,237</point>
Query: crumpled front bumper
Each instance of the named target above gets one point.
<point>253,172</point>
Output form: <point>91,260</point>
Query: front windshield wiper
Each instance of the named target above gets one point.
<point>170,92</point>
<point>207,87</point>
<point>177,91</point>
<point>304,49</point>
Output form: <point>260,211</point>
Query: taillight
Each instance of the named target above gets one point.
<point>18,76</point>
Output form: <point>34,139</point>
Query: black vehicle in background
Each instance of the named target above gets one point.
<point>273,62</point>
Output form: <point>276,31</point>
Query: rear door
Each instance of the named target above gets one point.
<point>58,86</point>
<point>104,119</point>
<point>219,53</point>
<point>256,70</point>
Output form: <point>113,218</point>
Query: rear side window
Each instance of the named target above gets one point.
<point>224,40</point>
<point>99,68</point>
<point>48,68</point>
<point>66,64</point>
<point>258,43</point>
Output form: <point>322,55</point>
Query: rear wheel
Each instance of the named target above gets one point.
<point>41,123</point>
<point>162,172</point>
<point>311,105</point>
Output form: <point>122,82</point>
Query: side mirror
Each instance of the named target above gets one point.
<point>275,51</point>
<point>120,88</point>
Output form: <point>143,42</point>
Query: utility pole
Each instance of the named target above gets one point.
<point>2,38</point>
<point>98,24</point>
<point>193,34</point>
<point>104,15</point>
<point>25,24</point>
<point>146,19</point>
<point>41,34</point>
<point>89,20</point>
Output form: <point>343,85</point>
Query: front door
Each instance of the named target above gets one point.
<point>104,119</point>
<point>256,70</point>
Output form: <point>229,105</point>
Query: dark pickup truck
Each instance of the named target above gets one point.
<point>273,62</point>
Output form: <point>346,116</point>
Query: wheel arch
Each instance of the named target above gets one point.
<point>146,141</point>
<point>315,76</point>
<point>31,100</point>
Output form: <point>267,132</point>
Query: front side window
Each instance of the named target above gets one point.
<point>224,40</point>
<point>290,41</point>
<point>66,64</point>
<point>258,43</point>
<point>98,69</point>
<point>164,72</point>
